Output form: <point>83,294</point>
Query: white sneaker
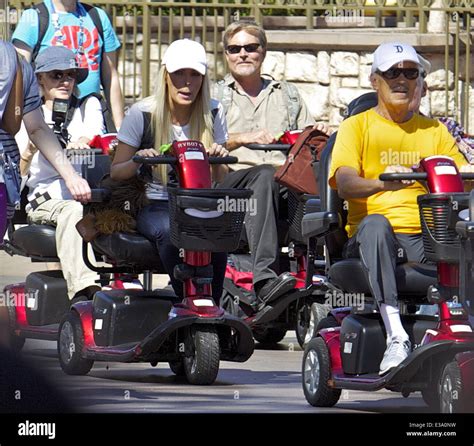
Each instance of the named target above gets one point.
<point>397,350</point>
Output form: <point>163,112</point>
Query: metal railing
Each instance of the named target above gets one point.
<point>146,27</point>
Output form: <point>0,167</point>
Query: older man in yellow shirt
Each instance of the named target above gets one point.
<point>383,216</point>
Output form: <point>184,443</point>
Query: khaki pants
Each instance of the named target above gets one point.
<point>64,214</point>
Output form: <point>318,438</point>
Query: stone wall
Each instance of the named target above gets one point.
<point>327,80</point>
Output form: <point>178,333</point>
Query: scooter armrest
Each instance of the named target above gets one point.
<point>319,224</point>
<point>465,229</point>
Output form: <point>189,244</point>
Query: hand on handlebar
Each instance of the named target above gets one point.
<point>217,150</point>
<point>467,168</point>
<point>259,137</point>
<point>323,127</point>
<point>147,153</point>
<point>397,185</point>
<point>77,145</point>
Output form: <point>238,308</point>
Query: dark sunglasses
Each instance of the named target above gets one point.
<point>409,73</point>
<point>249,48</point>
<point>62,75</point>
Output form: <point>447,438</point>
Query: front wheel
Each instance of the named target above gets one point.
<point>316,374</point>
<point>201,361</point>
<point>70,346</point>
<point>451,391</point>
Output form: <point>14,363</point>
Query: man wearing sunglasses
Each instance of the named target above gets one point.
<point>257,110</point>
<point>383,219</point>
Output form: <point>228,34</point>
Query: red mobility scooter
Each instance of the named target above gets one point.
<point>347,354</point>
<point>300,309</point>
<point>192,335</point>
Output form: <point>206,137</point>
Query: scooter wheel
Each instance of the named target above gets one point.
<point>201,362</point>
<point>316,373</point>
<point>70,346</point>
<point>452,395</point>
<point>15,342</point>
<point>308,317</point>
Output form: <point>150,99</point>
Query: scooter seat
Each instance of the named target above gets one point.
<point>129,250</point>
<point>36,240</point>
<point>413,279</point>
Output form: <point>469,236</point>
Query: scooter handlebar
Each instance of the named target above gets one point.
<point>269,147</point>
<point>174,160</point>
<point>416,176</point>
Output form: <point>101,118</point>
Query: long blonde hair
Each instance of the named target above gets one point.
<point>200,122</point>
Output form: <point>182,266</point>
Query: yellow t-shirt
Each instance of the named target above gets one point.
<point>369,143</point>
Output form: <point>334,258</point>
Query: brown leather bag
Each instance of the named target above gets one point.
<point>298,173</point>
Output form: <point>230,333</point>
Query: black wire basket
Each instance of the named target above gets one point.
<point>439,214</point>
<point>207,219</point>
<point>297,209</point>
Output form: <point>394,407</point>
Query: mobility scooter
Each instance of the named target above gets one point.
<point>35,307</point>
<point>192,334</point>
<point>300,309</point>
<point>347,353</point>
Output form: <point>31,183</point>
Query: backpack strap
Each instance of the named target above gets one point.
<point>223,93</point>
<point>293,103</point>
<point>94,15</point>
<point>43,23</point>
<point>106,112</point>
<point>147,137</point>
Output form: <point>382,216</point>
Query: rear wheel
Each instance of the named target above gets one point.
<point>70,346</point>
<point>201,361</point>
<point>316,374</point>
<point>328,322</point>
<point>451,392</point>
<point>269,335</point>
<point>308,318</point>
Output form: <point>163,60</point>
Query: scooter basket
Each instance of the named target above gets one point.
<point>297,208</point>
<point>439,214</point>
<point>207,219</point>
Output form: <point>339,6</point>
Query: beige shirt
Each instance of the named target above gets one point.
<point>270,112</point>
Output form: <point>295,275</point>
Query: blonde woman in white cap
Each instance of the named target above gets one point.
<point>181,109</point>
<point>383,217</point>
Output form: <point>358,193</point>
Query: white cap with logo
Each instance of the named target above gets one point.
<point>389,54</point>
<point>185,53</point>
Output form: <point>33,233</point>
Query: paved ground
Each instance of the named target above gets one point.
<point>269,382</point>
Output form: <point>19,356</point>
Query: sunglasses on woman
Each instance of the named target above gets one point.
<point>63,75</point>
<point>394,73</point>
<point>249,48</point>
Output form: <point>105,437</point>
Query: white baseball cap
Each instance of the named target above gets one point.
<point>389,54</point>
<point>185,53</point>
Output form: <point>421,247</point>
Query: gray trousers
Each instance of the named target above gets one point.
<point>380,250</point>
<point>261,225</point>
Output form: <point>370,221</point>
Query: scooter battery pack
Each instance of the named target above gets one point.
<point>362,343</point>
<point>123,316</point>
<point>363,340</point>
<point>46,297</point>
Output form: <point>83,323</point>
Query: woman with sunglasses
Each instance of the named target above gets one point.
<point>58,77</point>
<point>181,109</point>
<point>49,201</point>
